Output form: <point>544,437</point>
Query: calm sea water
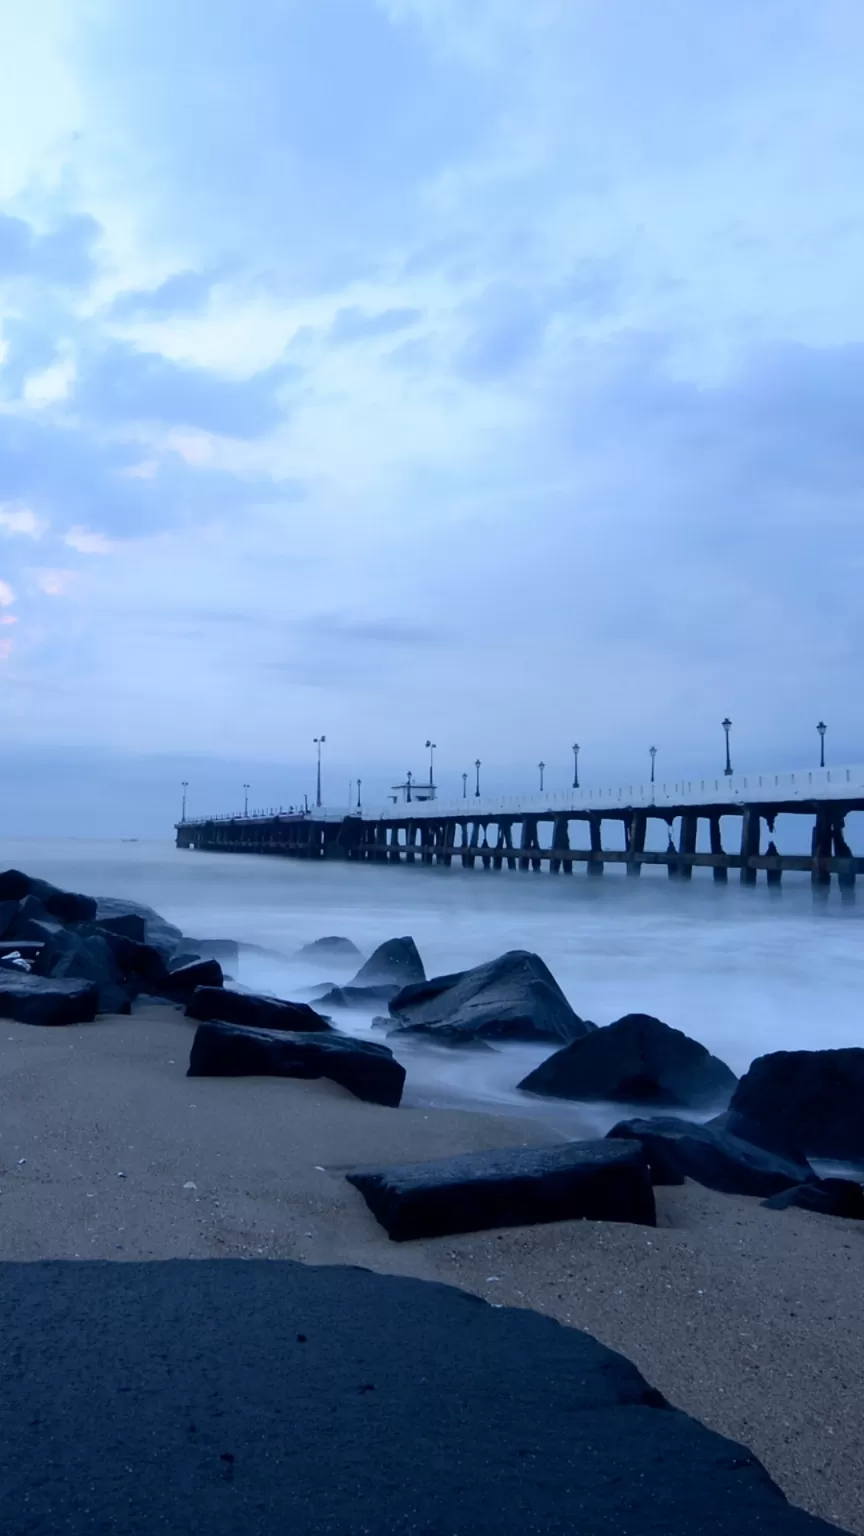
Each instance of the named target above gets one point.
<point>743,970</point>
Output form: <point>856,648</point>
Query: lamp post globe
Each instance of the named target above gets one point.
<point>821,728</point>
<point>575,765</point>
<point>727,726</point>
<point>477,771</point>
<point>653,752</point>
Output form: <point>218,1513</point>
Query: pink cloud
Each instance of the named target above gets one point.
<point>54,583</point>
<point>7,596</point>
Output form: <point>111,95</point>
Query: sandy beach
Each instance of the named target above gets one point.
<point>749,1319</point>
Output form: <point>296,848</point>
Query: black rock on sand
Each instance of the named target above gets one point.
<point>636,1060</point>
<point>817,1097</point>
<point>265,1396</point>
<point>366,1068</point>
<point>515,997</point>
<point>253,1010</point>
<point>680,1149</point>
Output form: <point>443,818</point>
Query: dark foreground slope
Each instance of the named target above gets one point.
<point>268,1397</point>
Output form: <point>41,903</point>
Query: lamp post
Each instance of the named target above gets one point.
<point>464,786</point>
<point>727,726</point>
<point>432,749</point>
<point>359,782</point>
<point>408,777</point>
<point>184,786</point>
<point>246,789</point>
<point>821,728</point>
<point>542,767</point>
<point>319,741</point>
<point>477,771</point>
<point>653,751</point>
<point>575,765</point>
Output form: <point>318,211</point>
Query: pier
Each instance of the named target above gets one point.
<point>557,833</point>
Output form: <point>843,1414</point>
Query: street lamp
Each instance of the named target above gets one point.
<point>653,751</point>
<point>246,789</point>
<point>318,741</point>
<point>184,786</point>
<point>575,765</point>
<point>727,726</point>
<point>464,786</point>
<point>821,728</point>
<point>542,767</point>
<point>477,771</point>
<point>359,782</point>
<point>408,777</point>
<point>432,746</point>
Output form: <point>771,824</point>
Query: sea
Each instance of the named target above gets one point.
<point>744,970</point>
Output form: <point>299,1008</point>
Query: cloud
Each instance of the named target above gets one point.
<point>7,596</point>
<point>352,324</point>
<point>120,384</point>
<point>29,349</point>
<point>63,256</point>
<point>7,619</point>
<point>89,543</point>
<point>181,293</point>
<point>53,583</point>
<point>21,521</point>
<point>6,649</point>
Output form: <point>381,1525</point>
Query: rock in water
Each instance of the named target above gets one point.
<point>158,933</point>
<point>829,1197</point>
<point>680,1149</point>
<point>333,946</point>
<point>365,1068</point>
<point>396,961</point>
<point>637,1060</point>
<point>185,980</point>
<point>815,1098</point>
<point>40,1000</point>
<point>513,1187</point>
<point>515,997</point>
<point>253,1011</point>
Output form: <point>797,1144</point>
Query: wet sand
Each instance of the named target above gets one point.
<point>749,1319</point>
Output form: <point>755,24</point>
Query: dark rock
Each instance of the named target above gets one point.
<point>40,1000</point>
<point>66,906</point>
<point>158,933</point>
<point>830,1197</point>
<point>126,925</point>
<point>254,1011</point>
<point>396,961</point>
<point>365,1068</point>
<point>515,997</point>
<point>332,946</point>
<point>814,1097</point>
<point>70,955</point>
<point>511,1187</point>
<point>198,975</point>
<point>637,1060</point>
<point>357,997</point>
<point>485,1421</point>
<point>680,1149</point>
<point>769,1138</point>
<point>183,958</point>
<point>8,912</point>
<point>139,961</point>
<point>31,912</point>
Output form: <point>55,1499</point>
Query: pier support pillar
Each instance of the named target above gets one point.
<point>560,840</point>
<point>506,832</point>
<point>595,824</point>
<point>721,873</point>
<point>528,840</point>
<point>635,827</point>
<point>773,876</point>
<point>751,826</point>
<point>823,835</point>
<point>687,844</point>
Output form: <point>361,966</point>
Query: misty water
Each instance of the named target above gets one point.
<point>744,970</point>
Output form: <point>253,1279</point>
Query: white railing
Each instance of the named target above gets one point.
<point>732,790</point>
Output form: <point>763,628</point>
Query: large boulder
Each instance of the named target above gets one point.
<point>158,933</point>
<point>125,925</point>
<point>66,906</point>
<point>332,947</point>
<point>183,981</point>
<point>515,997</point>
<point>42,1000</point>
<point>769,1138</point>
<point>254,1011</point>
<point>71,955</point>
<point>828,1197</point>
<point>814,1097</point>
<point>511,1187</point>
<point>365,1068</point>
<point>141,964</point>
<point>680,1149</point>
<point>397,961</point>
<point>8,913</point>
<point>214,949</point>
<point>636,1060</point>
<point>28,920</point>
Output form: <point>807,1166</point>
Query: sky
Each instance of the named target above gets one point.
<point>405,369</point>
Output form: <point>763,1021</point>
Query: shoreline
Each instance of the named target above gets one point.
<point>748,1319</point>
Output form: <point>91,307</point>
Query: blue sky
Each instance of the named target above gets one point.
<point>391,368</point>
